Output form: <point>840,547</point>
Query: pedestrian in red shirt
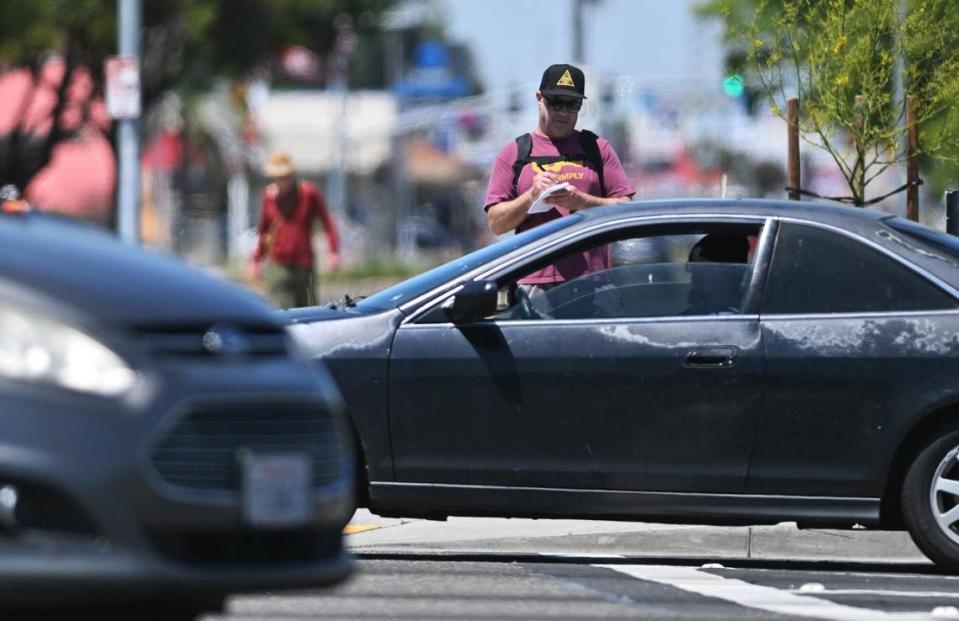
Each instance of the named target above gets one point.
<point>284,253</point>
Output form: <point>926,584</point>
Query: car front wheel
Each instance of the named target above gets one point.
<point>930,500</point>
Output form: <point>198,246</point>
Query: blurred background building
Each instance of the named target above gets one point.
<point>395,108</point>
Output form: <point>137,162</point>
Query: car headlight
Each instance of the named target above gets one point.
<point>42,349</point>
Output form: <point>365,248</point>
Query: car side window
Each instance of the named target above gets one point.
<point>665,274</point>
<point>818,271</point>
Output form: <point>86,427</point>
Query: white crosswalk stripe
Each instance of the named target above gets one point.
<point>756,596</point>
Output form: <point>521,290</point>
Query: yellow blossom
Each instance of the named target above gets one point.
<point>758,43</point>
<point>840,43</point>
<point>842,80</point>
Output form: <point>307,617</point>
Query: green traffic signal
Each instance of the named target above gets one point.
<point>733,85</point>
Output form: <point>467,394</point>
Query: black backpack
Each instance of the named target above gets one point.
<point>524,146</point>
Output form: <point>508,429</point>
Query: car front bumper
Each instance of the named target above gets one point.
<point>41,573</point>
<point>97,519</point>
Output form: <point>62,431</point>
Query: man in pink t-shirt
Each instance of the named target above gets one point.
<point>556,152</point>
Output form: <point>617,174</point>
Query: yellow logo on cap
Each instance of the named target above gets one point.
<point>566,80</point>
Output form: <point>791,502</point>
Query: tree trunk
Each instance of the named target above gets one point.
<point>859,168</point>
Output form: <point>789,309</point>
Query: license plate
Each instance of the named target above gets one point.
<point>277,489</point>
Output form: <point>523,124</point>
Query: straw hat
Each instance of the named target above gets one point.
<point>280,164</point>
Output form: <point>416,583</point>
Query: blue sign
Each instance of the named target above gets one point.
<point>432,76</point>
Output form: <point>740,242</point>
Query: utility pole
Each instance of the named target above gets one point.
<point>579,44</point>
<point>128,129</point>
<point>578,54</point>
<point>899,71</point>
<point>342,51</point>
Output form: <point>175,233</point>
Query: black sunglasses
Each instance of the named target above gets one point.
<point>556,104</point>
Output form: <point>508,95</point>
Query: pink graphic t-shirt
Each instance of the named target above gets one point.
<point>577,170</point>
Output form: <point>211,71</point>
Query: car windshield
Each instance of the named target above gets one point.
<point>399,294</point>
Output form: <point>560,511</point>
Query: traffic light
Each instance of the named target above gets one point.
<point>733,85</point>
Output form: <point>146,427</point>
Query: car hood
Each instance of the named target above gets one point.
<point>313,314</point>
<point>329,333</point>
<point>92,272</point>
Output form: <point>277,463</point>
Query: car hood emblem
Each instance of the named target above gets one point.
<point>227,340</point>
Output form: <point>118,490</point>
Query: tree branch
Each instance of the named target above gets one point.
<point>13,165</point>
<point>56,133</point>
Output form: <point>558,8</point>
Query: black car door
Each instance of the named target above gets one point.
<point>855,342</point>
<point>619,385</point>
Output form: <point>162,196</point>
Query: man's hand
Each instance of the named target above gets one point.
<point>541,181</point>
<point>571,199</point>
<point>333,261</point>
<point>254,271</point>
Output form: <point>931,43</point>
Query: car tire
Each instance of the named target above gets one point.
<point>360,472</point>
<point>930,500</point>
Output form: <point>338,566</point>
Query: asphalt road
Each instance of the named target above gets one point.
<point>523,587</point>
<point>505,569</point>
<point>468,568</point>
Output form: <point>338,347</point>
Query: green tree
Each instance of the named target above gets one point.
<point>839,57</point>
<point>185,44</point>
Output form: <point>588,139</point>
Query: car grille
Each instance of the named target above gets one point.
<point>195,340</point>
<point>200,451</point>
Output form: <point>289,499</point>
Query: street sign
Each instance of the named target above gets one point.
<point>123,87</point>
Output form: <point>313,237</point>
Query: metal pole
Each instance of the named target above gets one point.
<point>899,71</point>
<point>128,132</point>
<point>578,56</point>
<point>343,50</point>
<point>792,127</point>
<point>952,212</point>
<point>336,178</point>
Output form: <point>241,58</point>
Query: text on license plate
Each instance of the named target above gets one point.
<point>277,488</point>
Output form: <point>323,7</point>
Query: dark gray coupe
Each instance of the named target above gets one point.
<point>737,362</point>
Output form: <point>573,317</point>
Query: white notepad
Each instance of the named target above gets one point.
<point>540,205</point>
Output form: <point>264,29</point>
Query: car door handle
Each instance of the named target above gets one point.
<point>712,357</point>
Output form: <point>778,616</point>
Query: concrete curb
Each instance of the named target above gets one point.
<point>492,535</point>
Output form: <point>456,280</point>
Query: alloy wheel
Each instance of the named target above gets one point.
<point>944,495</point>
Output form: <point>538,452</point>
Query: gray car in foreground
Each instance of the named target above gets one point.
<point>737,362</point>
<point>161,442</point>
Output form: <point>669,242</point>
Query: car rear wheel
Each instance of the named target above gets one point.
<point>930,500</point>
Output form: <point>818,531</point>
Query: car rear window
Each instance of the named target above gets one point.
<point>933,250</point>
<point>815,271</point>
<point>942,241</point>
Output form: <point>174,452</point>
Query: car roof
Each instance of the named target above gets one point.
<point>839,215</point>
<point>89,270</point>
<point>868,224</point>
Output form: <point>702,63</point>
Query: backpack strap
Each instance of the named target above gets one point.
<point>524,146</point>
<point>591,146</point>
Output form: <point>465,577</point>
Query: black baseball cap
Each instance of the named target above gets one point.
<point>563,80</point>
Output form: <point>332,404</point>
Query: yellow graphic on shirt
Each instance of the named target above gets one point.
<point>557,169</point>
<point>566,80</point>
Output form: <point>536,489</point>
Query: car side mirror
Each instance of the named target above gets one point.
<point>476,300</point>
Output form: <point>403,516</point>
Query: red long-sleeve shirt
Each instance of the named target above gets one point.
<point>291,232</point>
